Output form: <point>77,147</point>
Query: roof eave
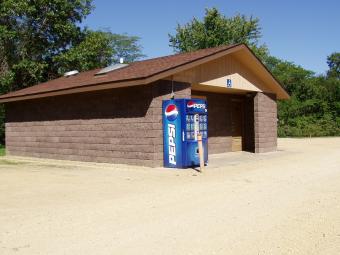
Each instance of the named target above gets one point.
<point>124,83</point>
<point>282,94</point>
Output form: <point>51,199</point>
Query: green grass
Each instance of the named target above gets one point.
<point>2,150</point>
<point>10,162</point>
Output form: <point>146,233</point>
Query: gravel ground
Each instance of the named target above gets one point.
<point>285,202</point>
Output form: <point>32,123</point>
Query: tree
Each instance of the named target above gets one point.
<point>216,29</point>
<point>314,107</point>
<point>41,39</point>
<point>333,62</point>
<point>33,33</point>
<point>99,49</point>
<point>292,76</point>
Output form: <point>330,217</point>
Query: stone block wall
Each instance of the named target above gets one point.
<point>117,126</point>
<point>265,122</point>
<point>124,125</point>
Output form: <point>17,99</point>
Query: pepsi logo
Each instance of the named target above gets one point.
<point>192,105</point>
<point>171,112</point>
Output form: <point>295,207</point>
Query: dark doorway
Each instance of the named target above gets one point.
<point>237,119</point>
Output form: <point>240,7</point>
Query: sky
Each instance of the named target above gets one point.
<point>304,32</point>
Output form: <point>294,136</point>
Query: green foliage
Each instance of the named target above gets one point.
<point>2,124</point>
<point>42,39</point>
<point>216,29</point>
<point>32,34</point>
<point>99,49</point>
<point>2,150</point>
<point>314,107</point>
<point>290,75</point>
<point>333,62</point>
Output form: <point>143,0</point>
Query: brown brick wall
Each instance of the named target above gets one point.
<point>219,117</point>
<point>125,125</point>
<point>119,125</point>
<point>162,91</point>
<point>265,122</point>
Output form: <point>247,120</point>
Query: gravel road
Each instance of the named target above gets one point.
<point>285,202</point>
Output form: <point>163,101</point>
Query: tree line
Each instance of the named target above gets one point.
<point>41,40</point>
<point>314,106</point>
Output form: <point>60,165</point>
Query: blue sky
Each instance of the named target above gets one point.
<point>304,32</point>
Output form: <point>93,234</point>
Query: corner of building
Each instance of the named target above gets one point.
<point>265,122</point>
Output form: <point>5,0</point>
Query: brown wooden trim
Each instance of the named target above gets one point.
<point>200,97</point>
<point>74,90</point>
<point>272,77</point>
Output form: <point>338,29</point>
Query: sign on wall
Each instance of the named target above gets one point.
<point>229,83</point>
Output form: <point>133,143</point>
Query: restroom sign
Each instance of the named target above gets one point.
<point>229,83</point>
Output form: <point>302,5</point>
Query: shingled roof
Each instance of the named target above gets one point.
<point>139,72</point>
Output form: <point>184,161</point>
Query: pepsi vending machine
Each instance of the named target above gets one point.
<point>183,119</point>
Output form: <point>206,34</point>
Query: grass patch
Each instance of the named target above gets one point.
<point>10,162</point>
<point>2,150</point>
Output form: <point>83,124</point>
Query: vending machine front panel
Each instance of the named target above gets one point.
<point>183,120</point>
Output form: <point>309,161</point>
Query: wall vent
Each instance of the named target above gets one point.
<point>111,68</point>
<point>71,73</point>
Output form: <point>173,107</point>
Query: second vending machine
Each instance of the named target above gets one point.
<point>183,119</point>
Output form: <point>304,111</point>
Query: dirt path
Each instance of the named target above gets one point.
<point>287,202</point>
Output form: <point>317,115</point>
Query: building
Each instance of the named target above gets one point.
<point>116,116</point>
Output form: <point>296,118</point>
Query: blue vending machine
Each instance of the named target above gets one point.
<point>183,119</point>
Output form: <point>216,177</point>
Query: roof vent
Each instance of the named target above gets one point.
<point>111,68</point>
<point>71,73</point>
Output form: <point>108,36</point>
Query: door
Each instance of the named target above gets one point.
<point>236,125</point>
